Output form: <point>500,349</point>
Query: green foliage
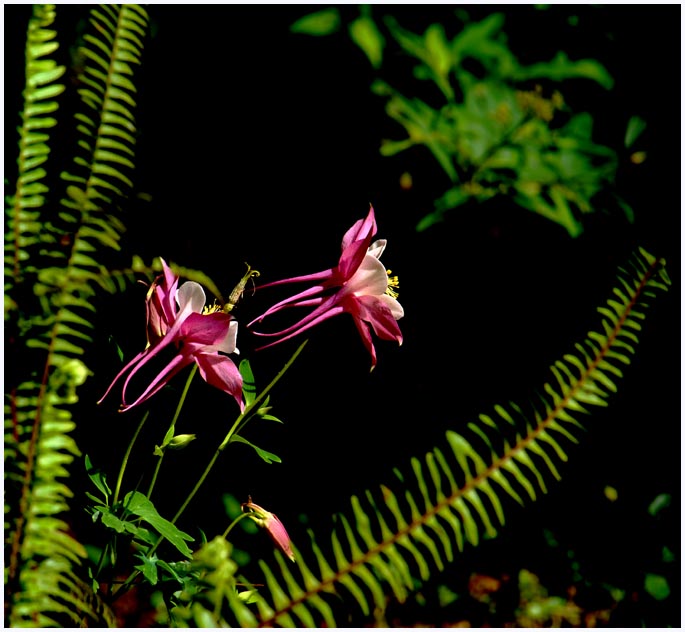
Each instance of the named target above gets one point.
<point>213,583</point>
<point>495,127</point>
<point>138,505</point>
<point>59,231</point>
<point>395,538</point>
<point>320,23</point>
<point>51,275</point>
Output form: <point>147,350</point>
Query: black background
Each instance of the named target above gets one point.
<point>260,145</point>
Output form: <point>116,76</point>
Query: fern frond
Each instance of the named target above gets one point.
<point>58,260</point>
<point>102,172</point>
<point>457,495</point>
<point>41,587</point>
<point>121,279</point>
<point>113,47</point>
<point>23,230</point>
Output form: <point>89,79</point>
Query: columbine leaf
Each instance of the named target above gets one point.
<point>249,388</point>
<point>271,418</point>
<point>124,526</point>
<point>140,506</point>
<point>98,478</point>
<point>148,568</point>
<point>269,457</point>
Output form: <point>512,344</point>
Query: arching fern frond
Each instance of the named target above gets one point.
<point>57,260</point>
<point>457,494</point>
<point>101,175</point>
<point>107,131</point>
<point>42,87</point>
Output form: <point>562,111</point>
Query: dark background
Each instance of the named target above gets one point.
<point>260,145</point>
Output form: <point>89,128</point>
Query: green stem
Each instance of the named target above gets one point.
<point>239,422</point>
<point>124,462</point>
<point>224,535</point>
<point>170,432</point>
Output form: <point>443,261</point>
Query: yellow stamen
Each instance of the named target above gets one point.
<point>210,309</point>
<point>393,285</point>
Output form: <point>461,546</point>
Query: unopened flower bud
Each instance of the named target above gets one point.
<point>272,524</point>
<point>181,441</point>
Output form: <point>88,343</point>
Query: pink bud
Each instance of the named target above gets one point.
<point>272,524</point>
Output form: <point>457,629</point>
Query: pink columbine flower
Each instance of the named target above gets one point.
<point>201,334</point>
<point>359,285</point>
<point>272,524</point>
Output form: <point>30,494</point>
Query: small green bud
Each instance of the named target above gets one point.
<point>180,441</point>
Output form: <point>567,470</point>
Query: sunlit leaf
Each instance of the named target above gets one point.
<point>148,567</point>
<point>636,126</point>
<point>661,502</point>
<point>139,505</point>
<point>269,457</point>
<point>320,23</point>
<point>657,586</point>
<point>249,387</point>
<point>561,67</point>
<point>365,34</point>
<point>98,478</point>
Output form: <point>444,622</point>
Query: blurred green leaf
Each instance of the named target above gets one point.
<point>446,596</point>
<point>148,567</point>
<point>233,510</point>
<point>561,67</point>
<point>439,50</point>
<point>432,49</point>
<point>456,196</point>
<point>483,41</point>
<point>657,586</point>
<point>636,126</point>
<point>365,34</point>
<point>320,23</point>
<point>627,209</point>
<point>661,502</point>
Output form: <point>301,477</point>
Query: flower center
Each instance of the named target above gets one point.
<point>210,309</point>
<point>393,285</point>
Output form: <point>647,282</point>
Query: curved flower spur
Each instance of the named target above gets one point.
<point>359,285</point>
<point>201,334</point>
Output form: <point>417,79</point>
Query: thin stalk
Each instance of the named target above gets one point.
<point>224,535</point>
<point>243,416</point>
<point>124,462</point>
<point>170,432</point>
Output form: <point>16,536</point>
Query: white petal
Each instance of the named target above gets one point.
<point>393,304</point>
<point>231,339</point>
<point>369,279</point>
<point>190,296</point>
<point>376,248</point>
